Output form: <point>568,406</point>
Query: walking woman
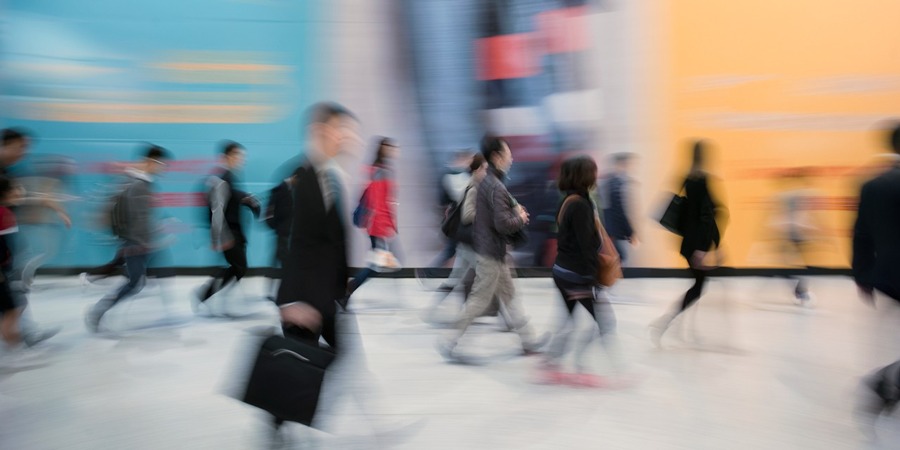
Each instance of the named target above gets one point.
<point>575,272</point>
<point>701,224</point>
<point>381,223</point>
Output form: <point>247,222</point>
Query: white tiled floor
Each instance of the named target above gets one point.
<point>754,371</point>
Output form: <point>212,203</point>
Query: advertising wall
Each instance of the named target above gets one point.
<point>93,80</point>
<point>776,89</point>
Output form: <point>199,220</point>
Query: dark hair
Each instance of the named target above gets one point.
<point>324,111</point>
<point>156,152</point>
<point>6,186</point>
<point>624,157</point>
<point>229,147</point>
<point>490,146</point>
<point>698,155</point>
<point>895,138</point>
<point>11,135</point>
<point>477,162</point>
<point>577,174</point>
<point>381,150</point>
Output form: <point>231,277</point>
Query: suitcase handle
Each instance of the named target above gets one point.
<point>282,351</point>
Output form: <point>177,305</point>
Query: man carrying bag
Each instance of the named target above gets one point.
<point>287,378</point>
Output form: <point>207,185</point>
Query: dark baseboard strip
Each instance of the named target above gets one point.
<point>523,272</point>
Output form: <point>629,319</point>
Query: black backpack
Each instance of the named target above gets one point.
<point>118,212</point>
<point>278,209</point>
<point>452,225</point>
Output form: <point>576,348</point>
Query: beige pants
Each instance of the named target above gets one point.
<point>492,278</point>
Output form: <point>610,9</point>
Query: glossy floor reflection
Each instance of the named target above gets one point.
<point>747,369</point>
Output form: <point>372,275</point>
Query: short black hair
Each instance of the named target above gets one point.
<point>229,147</point>
<point>577,174</point>
<point>323,112</point>
<point>10,135</point>
<point>895,138</point>
<point>156,152</point>
<point>491,145</point>
<point>6,185</point>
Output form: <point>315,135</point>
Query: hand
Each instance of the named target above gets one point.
<point>866,294</point>
<point>523,214</point>
<point>65,219</point>
<point>302,315</point>
<point>225,246</point>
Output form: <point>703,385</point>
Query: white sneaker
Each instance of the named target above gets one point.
<point>36,337</point>
<point>383,261</point>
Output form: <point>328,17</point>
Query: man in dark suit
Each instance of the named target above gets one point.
<point>876,266</point>
<point>316,265</point>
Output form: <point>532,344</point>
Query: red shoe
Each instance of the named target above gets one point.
<point>550,375</point>
<point>586,380</point>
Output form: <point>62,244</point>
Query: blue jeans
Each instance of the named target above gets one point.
<point>135,270</point>
<point>363,275</point>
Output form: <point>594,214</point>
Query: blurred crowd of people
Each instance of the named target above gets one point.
<point>482,222</point>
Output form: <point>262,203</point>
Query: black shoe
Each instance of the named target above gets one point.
<point>343,302</point>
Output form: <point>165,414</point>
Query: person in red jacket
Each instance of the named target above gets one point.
<point>381,220</point>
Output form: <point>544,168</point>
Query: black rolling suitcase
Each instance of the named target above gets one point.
<point>287,378</point>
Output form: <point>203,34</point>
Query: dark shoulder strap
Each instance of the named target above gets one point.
<point>562,208</point>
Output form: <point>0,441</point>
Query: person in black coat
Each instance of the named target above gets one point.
<point>279,213</point>
<point>701,224</point>
<point>876,267</point>
<point>317,258</point>
<point>575,268</point>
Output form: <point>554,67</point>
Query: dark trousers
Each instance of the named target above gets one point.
<point>694,293</point>
<point>236,257</point>
<point>363,275</point>
<point>276,272</point>
<point>109,268</point>
<point>135,270</point>
<point>282,248</point>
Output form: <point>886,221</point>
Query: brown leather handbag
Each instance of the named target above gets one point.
<point>609,268</point>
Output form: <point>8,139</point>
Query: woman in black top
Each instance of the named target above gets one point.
<point>575,269</point>
<point>700,232</point>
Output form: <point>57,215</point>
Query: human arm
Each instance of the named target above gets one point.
<point>218,198</point>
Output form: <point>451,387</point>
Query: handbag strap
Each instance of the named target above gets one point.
<point>604,237</point>
<point>562,208</point>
